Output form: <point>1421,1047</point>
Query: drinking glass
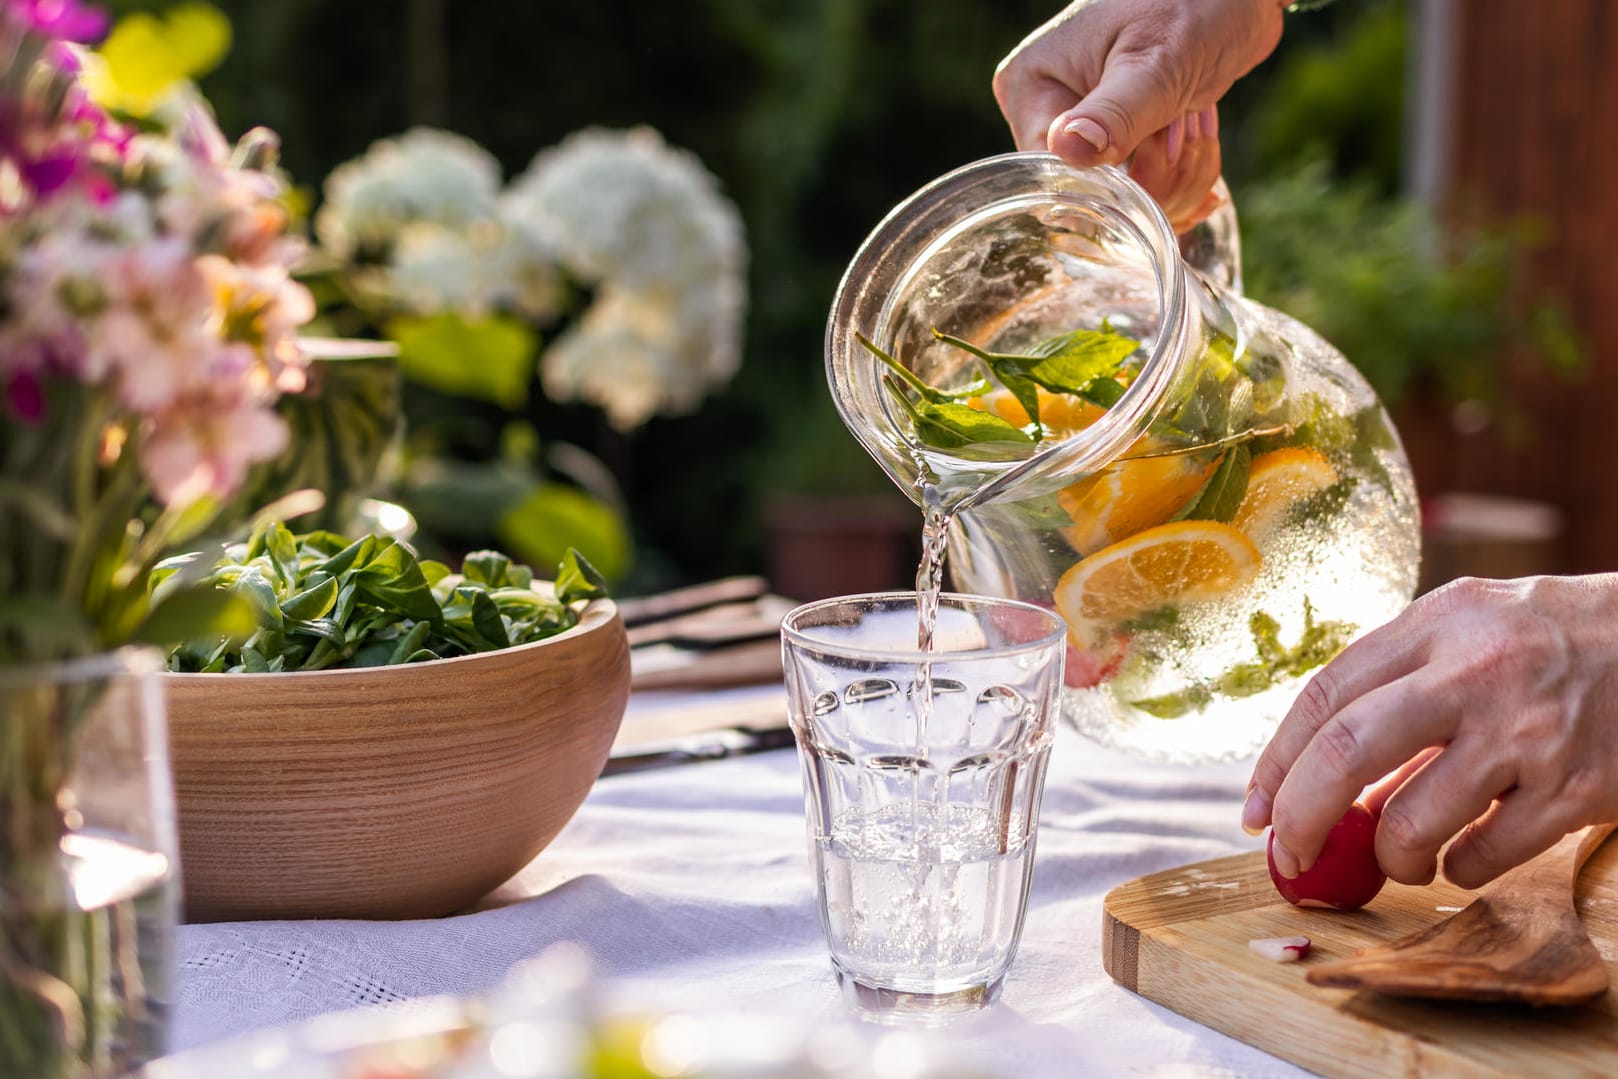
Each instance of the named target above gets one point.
<point>923,771</point>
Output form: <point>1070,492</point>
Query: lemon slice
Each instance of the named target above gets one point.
<point>1278,481</point>
<point>1183,562</point>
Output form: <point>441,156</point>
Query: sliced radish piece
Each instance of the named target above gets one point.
<point>1281,949</point>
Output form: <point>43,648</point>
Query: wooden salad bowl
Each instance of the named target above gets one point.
<point>388,792</point>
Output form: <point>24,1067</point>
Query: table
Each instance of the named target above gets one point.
<point>689,886</point>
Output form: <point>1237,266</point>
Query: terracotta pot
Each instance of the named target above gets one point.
<point>818,547</point>
<point>388,792</point>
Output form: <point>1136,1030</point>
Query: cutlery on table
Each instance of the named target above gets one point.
<point>709,746</point>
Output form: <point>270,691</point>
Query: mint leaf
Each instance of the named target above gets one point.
<point>946,425</point>
<point>1038,514</point>
<point>1246,680</point>
<point>972,425</point>
<point>1105,392</point>
<point>1221,496</point>
<point>1174,705</point>
<point>1070,362</point>
<point>1319,642</point>
<point>1026,391</point>
<point>1266,633</point>
<point>1372,434</point>
<point>926,392</point>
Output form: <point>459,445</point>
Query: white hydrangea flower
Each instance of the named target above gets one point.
<point>423,175</point>
<point>625,355</point>
<point>623,206</point>
<point>474,270</point>
<point>648,225</point>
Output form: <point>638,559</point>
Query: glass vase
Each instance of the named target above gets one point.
<point>87,867</point>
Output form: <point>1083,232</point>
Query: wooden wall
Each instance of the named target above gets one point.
<point>1534,130</point>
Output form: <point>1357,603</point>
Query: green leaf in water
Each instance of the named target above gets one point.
<point>947,425</point>
<point>977,388</point>
<point>1221,496</point>
<point>1319,642</point>
<point>1175,705</point>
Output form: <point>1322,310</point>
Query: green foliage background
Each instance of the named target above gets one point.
<point>817,116</point>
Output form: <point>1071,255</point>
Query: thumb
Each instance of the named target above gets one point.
<point>1129,103</point>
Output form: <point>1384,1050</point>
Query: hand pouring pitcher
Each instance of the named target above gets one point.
<point>1208,493</point>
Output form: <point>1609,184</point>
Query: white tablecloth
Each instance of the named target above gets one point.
<point>690,888</point>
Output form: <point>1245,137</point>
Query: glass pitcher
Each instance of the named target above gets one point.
<point>1207,491</point>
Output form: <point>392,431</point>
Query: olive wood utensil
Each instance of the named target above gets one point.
<point>1520,940</point>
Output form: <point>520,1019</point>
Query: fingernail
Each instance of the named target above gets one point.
<point>1091,132</point>
<point>1255,811</point>
<point>1193,127</point>
<point>1210,122</point>
<point>1286,863</point>
<point>1176,140</point>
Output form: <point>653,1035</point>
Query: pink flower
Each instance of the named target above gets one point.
<point>50,132</point>
<point>65,20</point>
<point>158,331</point>
<point>205,446</point>
<point>25,397</point>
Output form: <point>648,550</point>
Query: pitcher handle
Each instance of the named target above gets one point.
<point>1213,247</point>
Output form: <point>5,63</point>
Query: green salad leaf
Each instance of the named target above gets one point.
<point>319,600</point>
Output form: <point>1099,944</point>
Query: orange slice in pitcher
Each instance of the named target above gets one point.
<point>1183,562</point>
<point>1062,413</point>
<point>1130,496</point>
<point>1278,481</point>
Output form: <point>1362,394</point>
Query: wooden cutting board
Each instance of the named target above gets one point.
<point>1180,938</point>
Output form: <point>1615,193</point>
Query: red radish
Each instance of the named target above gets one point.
<point>1281,949</point>
<point>1346,876</point>
<point>1086,669</point>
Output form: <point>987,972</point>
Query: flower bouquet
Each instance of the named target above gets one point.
<point>148,324</point>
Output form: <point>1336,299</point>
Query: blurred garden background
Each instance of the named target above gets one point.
<point>1424,183</point>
